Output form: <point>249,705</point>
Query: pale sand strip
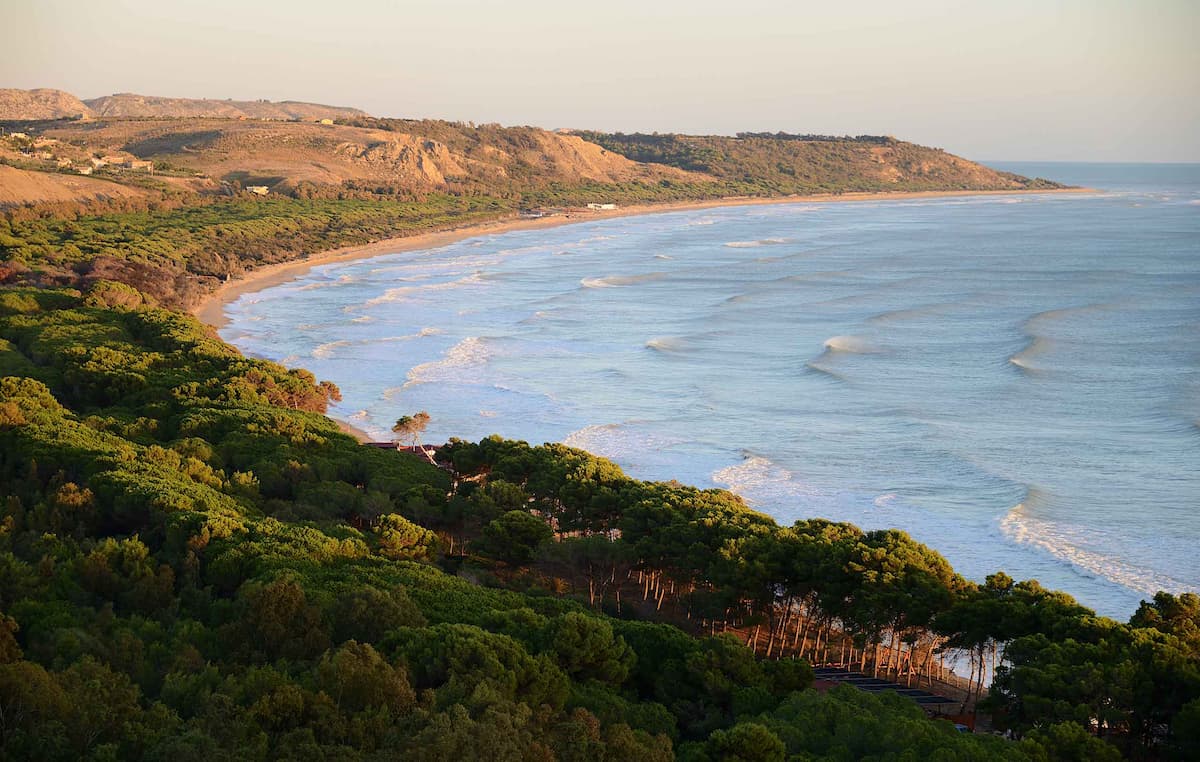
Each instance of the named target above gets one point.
<point>211,309</point>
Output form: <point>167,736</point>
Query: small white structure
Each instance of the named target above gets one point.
<point>258,190</point>
<point>84,170</point>
<point>139,164</point>
<point>602,207</point>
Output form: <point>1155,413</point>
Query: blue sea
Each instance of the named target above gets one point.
<point>1013,380</point>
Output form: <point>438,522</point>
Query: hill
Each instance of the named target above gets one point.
<point>410,157</point>
<point>128,105</point>
<point>45,103</point>
<point>813,163</point>
<point>42,103</point>
<point>175,205</point>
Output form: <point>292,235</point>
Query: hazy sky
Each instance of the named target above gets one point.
<point>1010,79</point>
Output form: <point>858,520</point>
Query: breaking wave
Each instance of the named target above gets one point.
<point>324,351</point>
<point>401,293</point>
<point>850,345</point>
<point>668,344</point>
<point>1021,525</point>
<point>456,366</point>
<point>754,244</point>
<point>613,281</point>
<point>618,441</point>
<point>753,475</point>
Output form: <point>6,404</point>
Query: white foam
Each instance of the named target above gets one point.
<point>324,351</point>
<point>1020,526</point>
<point>850,344</point>
<point>461,363</point>
<point>1026,359</point>
<point>667,344</point>
<point>613,281</point>
<point>754,476</point>
<point>402,293</point>
<point>753,244</point>
<point>617,441</point>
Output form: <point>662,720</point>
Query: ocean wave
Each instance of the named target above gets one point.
<point>341,280</point>
<point>1037,326</point>
<point>668,344</point>
<point>909,313</point>
<point>424,332</point>
<point>753,476</point>
<point>1021,525</point>
<point>401,293</point>
<point>754,244</point>
<point>663,256</point>
<point>854,345</point>
<point>363,319</point>
<point>324,351</point>
<point>618,441</point>
<point>613,281</point>
<point>821,370</point>
<point>1026,359</point>
<point>470,354</point>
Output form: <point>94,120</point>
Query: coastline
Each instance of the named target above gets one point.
<point>211,309</point>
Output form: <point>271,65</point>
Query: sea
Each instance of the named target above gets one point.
<point>1013,380</point>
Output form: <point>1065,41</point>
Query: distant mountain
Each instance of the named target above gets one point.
<point>131,105</point>
<point>43,103</point>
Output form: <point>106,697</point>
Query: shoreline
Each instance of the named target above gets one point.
<point>211,309</point>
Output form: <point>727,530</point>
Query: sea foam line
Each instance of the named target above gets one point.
<point>1021,527</point>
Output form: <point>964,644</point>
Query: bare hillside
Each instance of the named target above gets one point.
<point>43,103</point>
<point>132,105</point>
<point>19,186</point>
<point>285,155</point>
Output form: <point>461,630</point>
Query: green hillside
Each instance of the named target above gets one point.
<point>196,564</point>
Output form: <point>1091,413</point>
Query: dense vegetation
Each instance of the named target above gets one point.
<point>781,163</point>
<point>196,564</point>
<point>176,251</point>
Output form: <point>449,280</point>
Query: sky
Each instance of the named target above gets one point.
<point>1036,80</point>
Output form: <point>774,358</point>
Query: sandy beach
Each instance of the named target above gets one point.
<point>211,309</point>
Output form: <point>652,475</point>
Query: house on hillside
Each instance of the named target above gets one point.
<point>258,190</point>
<point>84,170</point>
<point>139,164</point>
<point>601,207</point>
<point>326,121</point>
